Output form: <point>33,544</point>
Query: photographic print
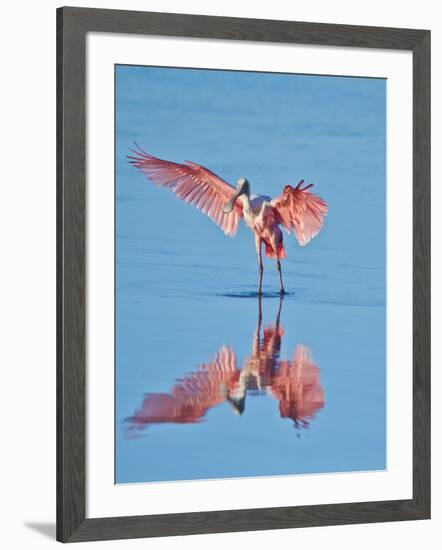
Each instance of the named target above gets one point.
<point>250,274</point>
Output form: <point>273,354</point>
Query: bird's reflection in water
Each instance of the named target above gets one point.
<point>293,383</point>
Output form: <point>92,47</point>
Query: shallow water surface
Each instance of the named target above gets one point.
<point>211,380</point>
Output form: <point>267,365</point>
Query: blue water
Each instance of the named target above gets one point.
<point>186,293</point>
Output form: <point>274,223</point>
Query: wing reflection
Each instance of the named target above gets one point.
<point>294,383</point>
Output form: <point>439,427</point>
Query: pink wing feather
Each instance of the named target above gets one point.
<point>296,385</point>
<point>192,396</point>
<point>194,184</point>
<point>300,211</point>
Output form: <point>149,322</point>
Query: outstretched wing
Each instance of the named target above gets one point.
<point>300,211</point>
<point>194,184</point>
<point>297,387</point>
<point>192,396</point>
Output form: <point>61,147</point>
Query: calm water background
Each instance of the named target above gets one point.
<point>184,289</point>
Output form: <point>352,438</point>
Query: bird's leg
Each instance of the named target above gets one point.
<point>261,267</point>
<point>257,336</point>
<point>281,286</point>
<point>278,315</point>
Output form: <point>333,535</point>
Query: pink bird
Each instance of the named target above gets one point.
<point>294,383</point>
<point>297,210</point>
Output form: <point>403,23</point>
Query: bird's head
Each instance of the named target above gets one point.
<point>238,405</point>
<point>242,188</point>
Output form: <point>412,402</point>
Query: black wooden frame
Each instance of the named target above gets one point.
<point>72,26</point>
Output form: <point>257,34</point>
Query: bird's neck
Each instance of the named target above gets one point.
<point>246,203</point>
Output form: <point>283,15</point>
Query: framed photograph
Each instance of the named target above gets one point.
<point>243,274</point>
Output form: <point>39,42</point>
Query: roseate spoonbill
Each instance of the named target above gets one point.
<point>297,209</point>
<point>293,383</point>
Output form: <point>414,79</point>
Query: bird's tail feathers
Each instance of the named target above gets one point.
<point>270,252</point>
